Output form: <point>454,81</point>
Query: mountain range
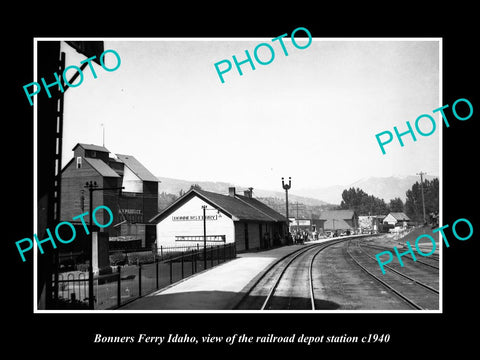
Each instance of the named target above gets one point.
<point>385,188</point>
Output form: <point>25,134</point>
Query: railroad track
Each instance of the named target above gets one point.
<point>417,294</point>
<point>429,264</point>
<point>274,290</point>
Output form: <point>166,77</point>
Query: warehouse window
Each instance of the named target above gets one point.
<point>79,162</point>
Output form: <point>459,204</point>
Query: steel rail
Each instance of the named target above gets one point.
<point>310,272</point>
<point>269,270</point>
<point>279,277</point>
<point>321,247</point>
<point>408,257</point>
<point>274,265</point>
<point>388,286</point>
<point>401,274</point>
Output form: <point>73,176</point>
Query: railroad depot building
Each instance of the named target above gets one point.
<point>132,207</point>
<point>232,218</point>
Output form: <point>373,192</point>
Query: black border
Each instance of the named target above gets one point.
<point>58,334</point>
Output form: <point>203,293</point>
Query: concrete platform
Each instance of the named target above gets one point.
<point>218,288</point>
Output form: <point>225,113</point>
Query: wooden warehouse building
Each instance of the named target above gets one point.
<point>132,207</point>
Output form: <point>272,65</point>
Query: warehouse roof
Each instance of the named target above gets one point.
<point>91,147</point>
<point>137,168</point>
<point>336,214</point>
<point>229,205</point>
<point>102,168</point>
<point>336,224</point>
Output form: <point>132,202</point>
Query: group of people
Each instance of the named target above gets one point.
<point>300,236</point>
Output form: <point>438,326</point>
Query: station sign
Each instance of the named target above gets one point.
<point>194,218</point>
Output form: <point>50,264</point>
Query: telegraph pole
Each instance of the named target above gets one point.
<point>103,134</point>
<point>423,197</point>
<point>204,207</point>
<point>92,186</point>
<point>297,206</point>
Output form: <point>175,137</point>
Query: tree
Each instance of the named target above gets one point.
<point>165,200</point>
<point>396,205</point>
<point>413,204</point>
<point>362,203</point>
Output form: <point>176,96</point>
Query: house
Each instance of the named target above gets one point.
<point>396,219</point>
<point>337,220</point>
<point>224,219</point>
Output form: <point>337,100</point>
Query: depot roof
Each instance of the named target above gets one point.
<point>236,207</point>
<point>262,207</point>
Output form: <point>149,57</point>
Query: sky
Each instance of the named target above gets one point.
<point>311,115</point>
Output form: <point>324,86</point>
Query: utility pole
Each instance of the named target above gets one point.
<point>287,187</point>
<point>204,207</point>
<point>92,186</point>
<point>297,206</point>
<point>423,197</point>
<point>103,134</point>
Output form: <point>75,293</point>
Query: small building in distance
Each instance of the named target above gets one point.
<point>300,225</point>
<point>370,223</point>
<point>337,221</point>
<point>396,219</point>
<point>232,218</point>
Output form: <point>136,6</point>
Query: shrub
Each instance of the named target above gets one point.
<point>140,257</point>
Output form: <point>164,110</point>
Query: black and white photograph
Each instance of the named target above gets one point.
<point>211,205</point>
<point>286,186</point>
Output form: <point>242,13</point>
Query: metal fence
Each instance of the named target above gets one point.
<point>131,281</point>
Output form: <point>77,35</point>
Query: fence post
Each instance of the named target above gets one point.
<point>182,263</point>
<point>119,286</point>
<point>195,256</point>
<point>161,251</point>
<point>139,279</point>
<point>224,256</point>
<point>171,278</point>
<point>156,271</point>
<point>211,256</point>
<point>192,263</point>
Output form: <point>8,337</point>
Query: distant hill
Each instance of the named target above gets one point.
<point>170,188</point>
<point>313,200</point>
<point>173,186</point>
<point>385,188</point>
